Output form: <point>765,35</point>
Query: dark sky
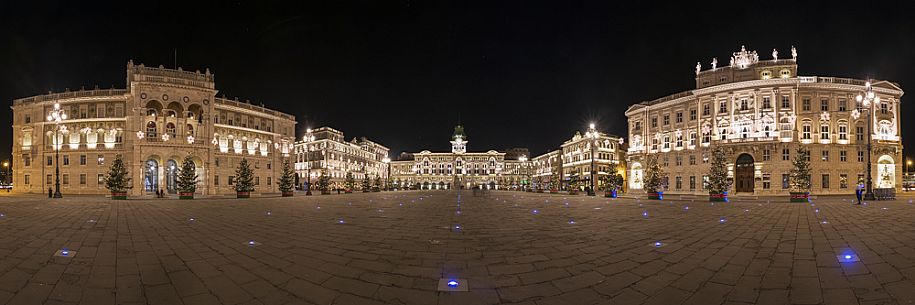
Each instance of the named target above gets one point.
<point>516,73</point>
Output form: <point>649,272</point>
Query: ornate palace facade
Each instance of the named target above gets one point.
<point>326,150</point>
<point>761,112</point>
<point>572,162</point>
<point>162,116</point>
<point>459,168</point>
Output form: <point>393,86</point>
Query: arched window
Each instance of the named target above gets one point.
<point>170,129</point>
<point>805,130</point>
<point>151,129</point>
<point>843,130</point>
<point>190,130</point>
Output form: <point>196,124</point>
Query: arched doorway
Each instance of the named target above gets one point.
<point>151,179</point>
<point>886,172</point>
<point>743,173</point>
<point>171,176</point>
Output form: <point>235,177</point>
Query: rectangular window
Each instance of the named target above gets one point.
<point>666,119</point>
<point>101,179</point>
<point>824,105</point>
<point>806,104</point>
<point>824,132</point>
<point>66,160</point>
<point>26,160</point>
<point>50,160</point>
<point>767,181</point>
<point>744,105</point>
<point>692,114</point>
<point>692,183</point>
<point>786,101</point>
<point>723,107</point>
<point>269,180</point>
<point>706,109</point>
<point>786,154</point>
<point>765,155</point>
<point>48,180</point>
<point>785,182</point>
<point>767,102</point>
<point>805,132</point>
<point>825,181</point>
<point>216,180</point>
<point>704,157</point>
<point>231,180</point>
<point>101,159</point>
<point>843,132</point>
<point>884,108</point>
<point>679,117</point>
<point>692,159</point>
<point>665,161</point>
<point>82,159</point>
<point>704,181</point>
<point>26,177</point>
<point>859,133</point>
<point>843,155</point>
<point>825,155</point>
<point>257,180</point>
<point>860,156</point>
<point>679,182</point>
<point>638,125</point>
<point>66,179</point>
<point>679,160</point>
<point>842,105</point>
<point>843,181</point>
<point>654,122</point>
<point>82,179</point>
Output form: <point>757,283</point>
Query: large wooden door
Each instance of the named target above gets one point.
<point>743,174</point>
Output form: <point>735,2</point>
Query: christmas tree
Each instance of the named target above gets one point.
<point>800,174</point>
<point>287,179</point>
<point>117,180</point>
<point>718,181</point>
<point>365,183</point>
<point>187,178</point>
<point>653,177</point>
<point>244,181</point>
<point>324,183</point>
<point>613,181</point>
<point>377,184</point>
<point>349,181</point>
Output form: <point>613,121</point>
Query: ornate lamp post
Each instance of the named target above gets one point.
<point>866,101</point>
<point>387,162</point>
<point>593,138</point>
<point>6,173</point>
<point>307,139</point>
<point>55,116</point>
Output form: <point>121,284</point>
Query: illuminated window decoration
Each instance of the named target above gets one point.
<point>165,137</point>
<point>141,135</point>
<point>886,172</point>
<point>74,140</point>
<point>190,139</point>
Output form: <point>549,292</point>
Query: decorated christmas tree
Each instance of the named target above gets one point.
<point>324,183</point>
<point>365,183</point>
<point>187,179</point>
<point>377,184</point>
<point>118,181</point>
<point>800,174</point>
<point>287,180</point>
<point>653,175</point>
<point>349,181</point>
<point>613,181</point>
<point>718,181</point>
<point>244,177</point>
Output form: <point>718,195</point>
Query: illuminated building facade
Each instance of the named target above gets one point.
<point>326,150</point>
<point>760,112</point>
<point>461,169</point>
<point>162,116</point>
<point>572,162</point>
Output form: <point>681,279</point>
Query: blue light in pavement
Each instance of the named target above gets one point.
<point>251,242</point>
<point>453,283</point>
<point>65,252</point>
<point>571,221</point>
<point>657,244</point>
<point>721,220</point>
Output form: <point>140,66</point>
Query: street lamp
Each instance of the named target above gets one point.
<point>387,161</point>
<point>6,167</point>
<point>55,116</point>
<point>867,100</point>
<point>523,160</point>
<point>593,138</point>
<point>308,138</point>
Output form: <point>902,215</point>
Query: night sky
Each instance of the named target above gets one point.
<point>403,73</point>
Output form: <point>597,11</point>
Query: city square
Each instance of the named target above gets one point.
<point>500,247</point>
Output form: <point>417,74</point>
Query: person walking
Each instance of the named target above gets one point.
<point>50,192</point>
<point>858,192</point>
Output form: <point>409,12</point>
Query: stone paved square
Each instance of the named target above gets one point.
<point>395,247</point>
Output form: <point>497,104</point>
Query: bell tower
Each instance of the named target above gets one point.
<point>458,140</point>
